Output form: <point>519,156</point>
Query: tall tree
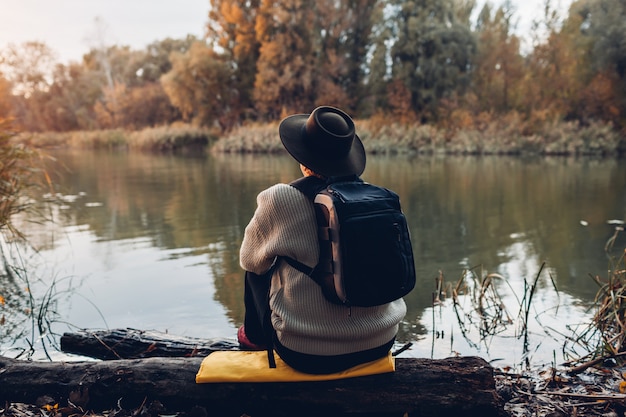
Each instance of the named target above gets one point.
<point>71,98</point>
<point>28,66</point>
<point>378,73</point>
<point>552,81</point>
<point>231,28</point>
<point>155,60</point>
<point>341,36</point>
<point>432,53</point>
<point>498,67</point>
<point>129,77</point>
<point>604,22</point>
<point>329,37</point>
<point>285,75</point>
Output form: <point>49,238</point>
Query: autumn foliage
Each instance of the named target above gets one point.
<point>433,62</point>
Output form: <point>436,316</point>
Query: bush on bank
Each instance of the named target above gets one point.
<point>162,138</point>
<point>508,135</point>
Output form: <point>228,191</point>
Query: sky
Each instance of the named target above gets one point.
<point>69,26</point>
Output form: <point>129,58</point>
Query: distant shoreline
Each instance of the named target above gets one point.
<point>564,139</point>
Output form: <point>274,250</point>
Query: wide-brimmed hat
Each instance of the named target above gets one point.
<point>324,141</point>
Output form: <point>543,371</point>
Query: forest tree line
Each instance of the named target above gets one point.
<point>440,62</point>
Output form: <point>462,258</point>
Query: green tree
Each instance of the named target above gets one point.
<point>198,86</point>
<point>604,23</point>
<point>130,93</point>
<point>378,69</point>
<point>432,53</point>
<point>334,61</point>
<point>155,59</point>
<point>341,36</point>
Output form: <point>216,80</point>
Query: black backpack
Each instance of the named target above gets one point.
<point>366,257</point>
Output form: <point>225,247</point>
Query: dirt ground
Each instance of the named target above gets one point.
<point>550,393</point>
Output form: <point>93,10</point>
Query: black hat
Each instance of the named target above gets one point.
<point>324,141</point>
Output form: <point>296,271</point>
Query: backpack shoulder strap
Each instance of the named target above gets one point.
<point>309,186</point>
<point>322,273</point>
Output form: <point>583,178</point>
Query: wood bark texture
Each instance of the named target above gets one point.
<point>135,344</point>
<point>461,386</point>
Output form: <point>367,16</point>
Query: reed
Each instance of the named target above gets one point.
<point>170,138</point>
<point>253,138</point>
<point>486,135</point>
<point>163,138</point>
<point>479,307</point>
<point>604,338</point>
<point>508,135</point>
<point>486,304</point>
<point>19,173</point>
<point>18,168</point>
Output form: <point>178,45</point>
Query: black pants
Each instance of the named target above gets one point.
<point>257,322</point>
<point>258,327</point>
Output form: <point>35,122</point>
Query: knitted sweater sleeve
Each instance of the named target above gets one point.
<point>283,225</point>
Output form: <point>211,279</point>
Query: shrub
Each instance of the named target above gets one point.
<point>254,138</point>
<point>98,139</point>
<point>172,137</point>
<point>398,138</point>
<point>16,174</point>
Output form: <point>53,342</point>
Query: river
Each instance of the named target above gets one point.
<point>151,242</point>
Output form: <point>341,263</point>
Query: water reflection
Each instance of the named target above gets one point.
<point>154,239</point>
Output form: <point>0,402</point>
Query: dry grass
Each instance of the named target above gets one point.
<point>169,138</point>
<point>254,138</point>
<point>162,138</point>
<point>18,168</point>
<point>604,338</point>
<point>486,135</point>
<point>19,172</point>
<point>508,135</point>
<point>480,309</point>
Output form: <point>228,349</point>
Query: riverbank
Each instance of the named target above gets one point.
<point>160,139</point>
<point>507,136</point>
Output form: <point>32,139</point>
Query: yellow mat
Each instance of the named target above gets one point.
<point>252,366</point>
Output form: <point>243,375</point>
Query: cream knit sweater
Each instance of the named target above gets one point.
<point>284,225</point>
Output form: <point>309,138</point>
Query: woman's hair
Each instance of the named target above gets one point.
<point>309,172</point>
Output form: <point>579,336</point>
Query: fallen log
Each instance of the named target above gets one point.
<point>136,344</point>
<point>419,387</point>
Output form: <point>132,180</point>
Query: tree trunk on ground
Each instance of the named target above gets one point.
<point>137,344</point>
<point>461,386</point>
<point>152,366</point>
